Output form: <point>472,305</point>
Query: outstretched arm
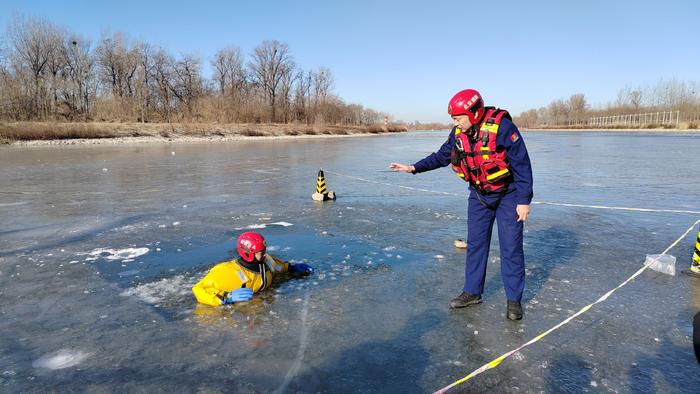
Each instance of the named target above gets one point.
<point>403,167</point>
<point>301,268</point>
<point>438,159</point>
<point>277,265</point>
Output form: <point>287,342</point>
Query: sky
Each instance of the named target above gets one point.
<point>408,58</point>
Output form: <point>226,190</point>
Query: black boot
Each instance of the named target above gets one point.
<point>514,310</point>
<point>465,299</point>
<point>693,271</point>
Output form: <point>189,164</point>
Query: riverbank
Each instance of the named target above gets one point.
<point>50,133</point>
<point>614,130</point>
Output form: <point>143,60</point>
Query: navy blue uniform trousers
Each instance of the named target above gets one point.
<point>480,220</point>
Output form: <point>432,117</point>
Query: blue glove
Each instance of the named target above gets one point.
<point>301,268</point>
<point>238,295</point>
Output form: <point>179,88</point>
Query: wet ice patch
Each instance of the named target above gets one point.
<point>131,228</point>
<point>63,358</point>
<point>253,227</point>
<point>13,204</point>
<point>264,225</point>
<point>129,273</point>
<point>156,292</point>
<point>128,254</point>
<point>283,224</point>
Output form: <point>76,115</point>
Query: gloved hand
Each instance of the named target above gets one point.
<point>301,268</point>
<point>238,295</point>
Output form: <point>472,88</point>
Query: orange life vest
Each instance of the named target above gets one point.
<point>478,161</point>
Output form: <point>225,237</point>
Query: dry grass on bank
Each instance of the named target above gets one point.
<point>47,131</point>
<point>649,126</point>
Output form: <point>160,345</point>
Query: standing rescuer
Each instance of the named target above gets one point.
<point>486,150</point>
<point>236,281</point>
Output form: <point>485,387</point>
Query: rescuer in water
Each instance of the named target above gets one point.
<point>486,150</point>
<point>236,281</point>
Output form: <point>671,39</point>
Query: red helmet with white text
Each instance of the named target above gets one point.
<point>250,243</point>
<point>467,102</point>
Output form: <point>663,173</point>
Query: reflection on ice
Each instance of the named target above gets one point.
<point>63,358</point>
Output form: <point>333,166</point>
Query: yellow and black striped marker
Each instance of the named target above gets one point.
<point>321,183</point>
<point>695,264</point>
<point>322,193</point>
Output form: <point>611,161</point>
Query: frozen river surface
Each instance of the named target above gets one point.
<point>100,245</point>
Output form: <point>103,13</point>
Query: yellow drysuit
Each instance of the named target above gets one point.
<point>230,275</point>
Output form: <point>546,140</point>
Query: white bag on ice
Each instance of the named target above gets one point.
<point>664,263</point>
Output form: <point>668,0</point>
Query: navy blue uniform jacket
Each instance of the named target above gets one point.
<point>510,139</point>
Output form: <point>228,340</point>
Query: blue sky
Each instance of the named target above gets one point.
<point>409,57</point>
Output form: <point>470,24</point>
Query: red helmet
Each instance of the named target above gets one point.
<point>250,243</point>
<point>467,102</point>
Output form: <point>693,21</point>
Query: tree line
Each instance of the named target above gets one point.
<point>665,95</point>
<point>48,73</point>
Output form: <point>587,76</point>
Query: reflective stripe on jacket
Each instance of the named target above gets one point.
<point>478,160</point>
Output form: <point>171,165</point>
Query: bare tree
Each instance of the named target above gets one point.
<point>322,81</point>
<point>228,70</point>
<point>285,94</point>
<point>577,105</point>
<point>5,82</point>
<point>557,111</point>
<point>56,65</point>
<point>527,118</point>
<point>230,79</point>
<point>635,99</point>
<point>3,56</point>
<point>271,61</point>
<point>144,55</point>
<point>163,74</point>
<point>31,40</point>
<point>302,91</point>
<point>47,71</point>
<point>80,74</point>
<point>117,64</point>
<point>188,84</point>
